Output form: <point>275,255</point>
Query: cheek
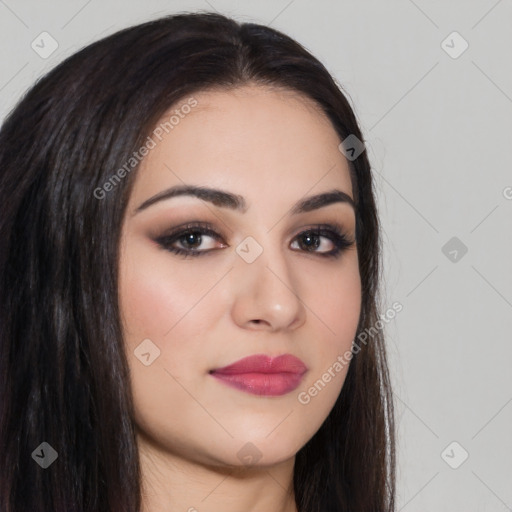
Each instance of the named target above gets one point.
<point>154,296</point>
<point>342,310</point>
<point>335,309</point>
<point>333,299</point>
<point>161,304</point>
<point>173,304</point>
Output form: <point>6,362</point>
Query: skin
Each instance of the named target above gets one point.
<point>274,148</point>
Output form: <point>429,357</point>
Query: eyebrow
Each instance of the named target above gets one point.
<point>224,199</point>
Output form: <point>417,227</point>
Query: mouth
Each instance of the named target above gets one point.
<point>263,375</point>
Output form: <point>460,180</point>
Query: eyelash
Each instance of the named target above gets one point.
<point>330,231</point>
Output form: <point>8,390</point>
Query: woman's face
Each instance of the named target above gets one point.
<point>259,275</point>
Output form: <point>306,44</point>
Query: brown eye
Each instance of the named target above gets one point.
<point>311,240</point>
<point>191,240</point>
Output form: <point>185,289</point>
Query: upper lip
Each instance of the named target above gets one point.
<point>261,363</point>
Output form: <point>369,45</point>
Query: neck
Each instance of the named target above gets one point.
<point>172,483</point>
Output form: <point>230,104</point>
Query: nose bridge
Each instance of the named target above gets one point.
<point>266,288</point>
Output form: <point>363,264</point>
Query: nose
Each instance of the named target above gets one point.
<point>266,293</point>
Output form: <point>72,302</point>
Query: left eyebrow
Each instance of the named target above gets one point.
<point>222,198</point>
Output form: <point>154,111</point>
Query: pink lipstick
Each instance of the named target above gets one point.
<point>263,375</point>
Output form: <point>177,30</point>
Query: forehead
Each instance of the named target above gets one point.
<point>252,140</point>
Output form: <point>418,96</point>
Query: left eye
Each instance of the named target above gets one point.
<point>312,241</point>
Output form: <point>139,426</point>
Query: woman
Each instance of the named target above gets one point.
<point>190,266</point>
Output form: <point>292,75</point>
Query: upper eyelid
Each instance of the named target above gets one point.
<point>210,230</point>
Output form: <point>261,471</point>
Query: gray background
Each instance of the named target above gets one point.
<point>437,130</point>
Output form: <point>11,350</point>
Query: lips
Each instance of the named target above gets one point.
<point>263,375</point>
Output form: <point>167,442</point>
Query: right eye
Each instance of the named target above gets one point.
<point>190,237</point>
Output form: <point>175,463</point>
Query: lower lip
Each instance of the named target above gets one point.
<point>266,384</point>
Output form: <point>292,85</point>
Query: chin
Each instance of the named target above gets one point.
<point>260,452</point>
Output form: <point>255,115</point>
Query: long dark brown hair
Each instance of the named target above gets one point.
<point>64,372</point>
